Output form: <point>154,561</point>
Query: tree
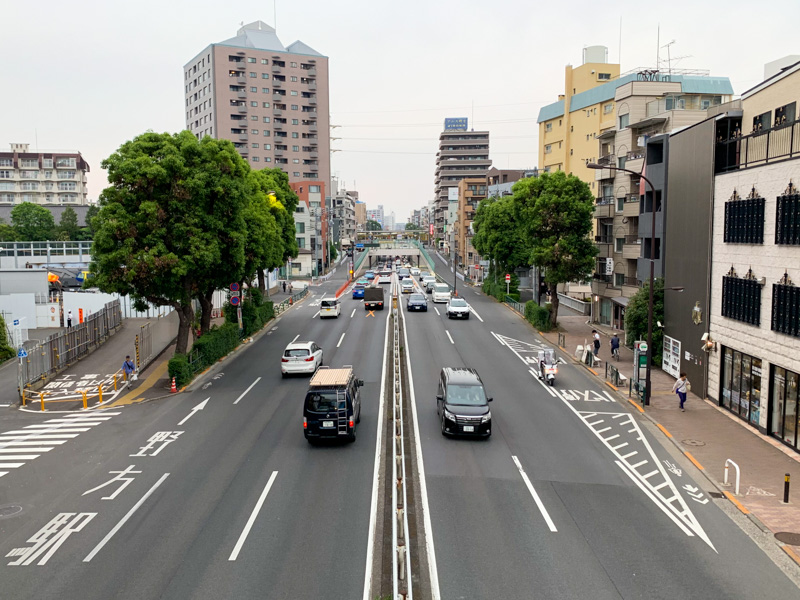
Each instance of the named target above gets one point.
<point>636,314</point>
<point>87,232</point>
<point>7,232</point>
<point>6,351</point>
<point>32,223</point>
<point>169,222</point>
<point>410,226</point>
<point>332,253</point>
<point>68,225</point>
<point>555,213</point>
<point>498,235</point>
<point>374,226</point>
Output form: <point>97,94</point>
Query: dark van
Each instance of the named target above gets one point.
<point>332,407</point>
<point>462,403</point>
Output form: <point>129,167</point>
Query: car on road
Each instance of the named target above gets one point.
<point>428,283</point>
<point>358,290</point>
<point>384,276</point>
<point>330,307</point>
<point>462,403</point>
<point>373,298</point>
<point>414,272</point>
<point>457,308</point>
<point>424,274</point>
<point>441,292</point>
<point>332,406</point>
<point>370,275</point>
<point>406,286</point>
<point>402,273</point>
<point>417,302</point>
<point>301,357</point>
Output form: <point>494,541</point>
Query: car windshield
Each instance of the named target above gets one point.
<point>296,352</point>
<point>329,304</point>
<point>408,283</point>
<point>441,287</point>
<point>458,302</point>
<point>403,271</point>
<point>466,395</point>
<point>416,297</point>
<point>325,401</point>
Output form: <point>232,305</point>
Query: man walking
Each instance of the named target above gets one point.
<point>128,367</point>
<point>681,387</point>
<point>284,286</point>
<point>596,337</point>
<point>69,319</point>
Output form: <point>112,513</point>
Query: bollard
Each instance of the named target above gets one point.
<point>100,394</point>
<point>84,399</point>
<point>41,399</point>
<point>115,382</point>
<point>786,482</point>
<point>401,562</point>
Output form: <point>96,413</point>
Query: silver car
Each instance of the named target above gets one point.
<point>301,357</point>
<point>457,308</point>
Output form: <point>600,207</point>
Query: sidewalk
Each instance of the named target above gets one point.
<point>709,435</point>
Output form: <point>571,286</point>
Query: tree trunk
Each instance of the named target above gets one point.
<point>262,282</point>
<point>554,304</point>
<point>206,306</point>
<point>186,318</point>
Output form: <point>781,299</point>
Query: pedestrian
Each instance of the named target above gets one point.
<point>615,346</point>
<point>284,286</point>
<point>69,319</point>
<point>596,337</point>
<point>290,288</point>
<point>128,367</point>
<point>681,387</point>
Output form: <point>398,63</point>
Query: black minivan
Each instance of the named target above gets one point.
<point>332,406</point>
<point>462,403</point>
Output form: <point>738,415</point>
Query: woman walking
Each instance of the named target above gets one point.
<point>681,387</point>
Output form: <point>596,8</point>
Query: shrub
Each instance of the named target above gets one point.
<point>538,316</point>
<point>179,369</point>
<point>217,343</point>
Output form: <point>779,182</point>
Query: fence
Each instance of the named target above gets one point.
<point>144,347</point>
<point>517,306</point>
<point>64,348</point>
<point>279,308</point>
<point>759,148</point>
<point>116,380</point>
<point>584,308</point>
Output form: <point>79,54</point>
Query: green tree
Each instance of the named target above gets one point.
<point>332,253</point>
<point>410,226</point>
<point>166,220</point>
<point>498,235</point>
<point>636,317</point>
<point>555,214</point>
<point>283,200</point>
<point>32,223</point>
<point>68,225</point>
<point>6,351</point>
<point>374,226</point>
<point>87,232</point>
<point>264,247</point>
<point>7,232</point>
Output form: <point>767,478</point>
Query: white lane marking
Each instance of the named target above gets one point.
<point>247,390</point>
<point>340,339</point>
<point>200,406</point>
<point>639,464</point>
<point>448,336</point>
<point>295,339</point>
<point>437,311</point>
<point>4,405</point>
<point>3,473</point>
<point>10,465</point>
<point>314,316</point>
<point>36,431</point>
<point>124,519</point>
<point>475,312</point>
<point>373,512</point>
<point>252,518</point>
<point>498,338</point>
<point>352,313</point>
<point>29,443</point>
<point>39,449</point>
<point>536,498</point>
<point>68,436</point>
<point>433,570</point>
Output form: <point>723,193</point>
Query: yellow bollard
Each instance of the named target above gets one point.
<point>100,394</point>
<point>41,398</point>
<point>115,382</point>
<point>84,399</point>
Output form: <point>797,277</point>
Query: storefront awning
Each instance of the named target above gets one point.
<point>621,300</point>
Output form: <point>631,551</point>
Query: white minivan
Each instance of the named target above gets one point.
<point>441,292</point>
<point>330,307</point>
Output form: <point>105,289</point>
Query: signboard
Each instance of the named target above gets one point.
<point>16,322</point>
<point>234,287</point>
<point>459,124</point>
<point>643,347</point>
<point>452,194</point>
<point>508,278</point>
<point>359,245</point>
<point>609,266</point>
<point>235,300</point>
<point>22,353</point>
<point>430,228</point>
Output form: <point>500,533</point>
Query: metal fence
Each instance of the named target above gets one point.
<point>759,148</point>
<point>62,349</point>
<point>144,346</point>
<point>279,308</point>
<point>517,306</point>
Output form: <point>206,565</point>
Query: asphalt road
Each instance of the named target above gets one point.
<point>309,538</point>
<point>618,517</point>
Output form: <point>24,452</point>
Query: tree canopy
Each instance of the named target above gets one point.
<point>32,222</point>
<point>636,314</point>
<point>374,226</point>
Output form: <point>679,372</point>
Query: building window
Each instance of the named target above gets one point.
<point>295,121</point>
<point>265,104</point>
<point>300,227</point>
<point>783,400</point>
<point>27,163</point>
<point>266,133</point>
<point>620,204</point>
<point>787,218</point>
<point>47,163</point>
<point>265,76</point>
<point>741,384</point>
<point>618,243</point>
<point>252,74</point>
<point>741,298</point>
<point>293,93</point>
<point>786,308</point>
<point>267,158</point>
<point>295,134</point>
<point>762,121</point>
<point>266,119</point>
<point>265,90</point>
<point>251,60</point>
<point>785,114</point>
<point>30,186</point>
<point>296,174</point>
<point>267,146</point>
<point>254,131</point>
<point>65,186</point>
<point>604,76</point>
<point>621,161</point>
<point>624,120</point>
<point>253,103</point>
<point>619,279</point>
<point>608,108</point>
<point>293,78</point>
<point>254,89</point>
<point>264,61</point>
<point>254,145</point>
<point>29,174</point>
<point>548,149</point>
<point>295,107</point>
<point>744,220</point>
<point>294,64</point>
<point>295,148</point>
<point>254,117</point>
<point>548,127</point>
<point>255,159</point>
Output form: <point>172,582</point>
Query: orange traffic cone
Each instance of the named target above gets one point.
<point>173,389</point>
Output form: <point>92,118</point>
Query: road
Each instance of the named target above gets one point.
<point>216,494</point>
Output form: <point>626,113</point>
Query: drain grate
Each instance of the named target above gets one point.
<point>793,539</point>
<point>9,510</point>
<point>693,442</point>
<point>716,494</point>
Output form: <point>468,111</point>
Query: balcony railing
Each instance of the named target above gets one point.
<point>632,239</point>
<point>759,148</point>
<point>605,200</point>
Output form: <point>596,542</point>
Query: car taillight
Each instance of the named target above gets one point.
<point>284,359</point>
<point>352,423</point>
<point>309,359</point>
<point>305,423</point>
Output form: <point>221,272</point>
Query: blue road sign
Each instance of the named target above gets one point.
<point>235,300</point>
<point>359,245</point>
<point>16,321</point>
<point>22,353</point>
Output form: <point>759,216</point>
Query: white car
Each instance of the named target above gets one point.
<point>384,276</point>
<point>457,308</point>
<point>414,272</point>
<point>407,286</point>
<point>428,283</point>
<point>330,307</point>
<point>441,292</point>
<point>301,357</point>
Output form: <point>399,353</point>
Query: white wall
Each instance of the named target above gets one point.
<point>19,306</point>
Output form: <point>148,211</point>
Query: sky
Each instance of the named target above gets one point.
<point>89,75</point>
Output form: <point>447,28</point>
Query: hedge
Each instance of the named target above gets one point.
<point>538,316</point>
<point>179,369</point>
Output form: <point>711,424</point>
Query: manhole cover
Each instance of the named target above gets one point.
<point>716,494</point>
<point>8,511</point>
<point>793,539</point>
<point>693,442</point>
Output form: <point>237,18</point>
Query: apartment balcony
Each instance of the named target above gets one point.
<point>276,125</point>
<point>314,154</point>
<point>278,151</point>
<point>632,248</point>
<point>601,174</point>
<point>276,69</point>
<point>600,284</point>
<point>243,137</point>
<point>312,127</point>
<point>635,160</point>
<point>241,94</point>
<point>276,83</point>
<point>242,110</point>
<point>604,208</point>
<point>604,245</point>
<point>311,73</point>
<point>241,80</point>
<point>312,85</point>
<point>312,101</point>
<point>277,112</point>
<point>631,206</point>
<point>314,168</point>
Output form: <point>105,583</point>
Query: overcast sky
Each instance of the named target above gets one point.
<point>89,75</point>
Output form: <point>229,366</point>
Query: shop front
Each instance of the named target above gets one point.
<point>784,410</point>
<point>741,384</point>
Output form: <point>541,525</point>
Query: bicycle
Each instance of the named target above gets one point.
<point>615,353</point>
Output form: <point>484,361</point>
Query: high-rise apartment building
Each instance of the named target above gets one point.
<point>461,154</point>
<point>375,214</point>
<point>361,215</point>
<point>48,177</point>
<point>270,100</point>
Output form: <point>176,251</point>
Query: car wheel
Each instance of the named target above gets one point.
<point>284,375</point>
<point>358,418</point>
<point>352,437</point>
<point>444,433</point>
<point>467,317</point>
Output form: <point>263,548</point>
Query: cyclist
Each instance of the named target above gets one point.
<point>615,346</point>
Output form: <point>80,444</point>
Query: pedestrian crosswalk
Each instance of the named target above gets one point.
<point>22,445</point>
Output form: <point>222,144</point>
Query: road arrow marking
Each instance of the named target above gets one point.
<point>691,488</point>
<point>704,501</point>
<point>200,406</point>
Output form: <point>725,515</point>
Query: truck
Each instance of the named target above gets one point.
<point>373,298</point>
<point>332,407</point>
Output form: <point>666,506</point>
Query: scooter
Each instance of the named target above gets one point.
<point>548,366</point>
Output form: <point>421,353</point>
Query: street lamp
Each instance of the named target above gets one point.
<point>652,273</point>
